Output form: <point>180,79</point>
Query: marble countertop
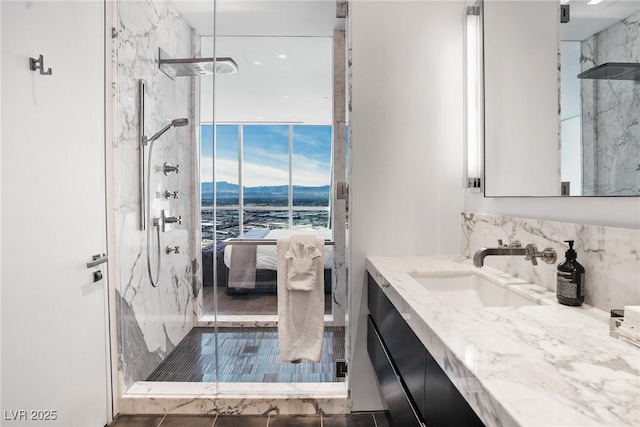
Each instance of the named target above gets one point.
<point>539,365</point>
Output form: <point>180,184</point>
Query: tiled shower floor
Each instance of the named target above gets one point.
<point>246,355</point>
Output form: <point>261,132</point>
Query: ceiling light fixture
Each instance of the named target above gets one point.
<point>257,63</point>
<point>282,56</point>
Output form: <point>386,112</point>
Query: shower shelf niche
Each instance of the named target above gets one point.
<point>195,67</point>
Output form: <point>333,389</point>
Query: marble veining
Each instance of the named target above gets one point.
<point>542,365</point>
<point>610,255</point>
<point>232,399</point>
<point>611,114</point>
<point>153,320</point>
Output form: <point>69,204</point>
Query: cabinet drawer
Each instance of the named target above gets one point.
<point>401,406</point>
<point>405,348</point>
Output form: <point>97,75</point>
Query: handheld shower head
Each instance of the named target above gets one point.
<point>179,122</point>
<point>174,123</point>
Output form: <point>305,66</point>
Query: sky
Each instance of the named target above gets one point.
<point>266,154</point>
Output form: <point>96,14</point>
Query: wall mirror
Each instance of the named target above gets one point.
<point>562,100</point>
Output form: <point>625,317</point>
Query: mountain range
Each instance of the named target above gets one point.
<point>227,190</point>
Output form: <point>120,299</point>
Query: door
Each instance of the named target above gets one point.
<point>54,315</point>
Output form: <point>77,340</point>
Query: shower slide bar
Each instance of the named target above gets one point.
<point>261,242</point>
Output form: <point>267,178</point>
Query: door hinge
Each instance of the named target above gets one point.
<point>114,32</point>
<point>341,368</point>
<point>342,190</point>
<point>342,8</point>
<point>565,14</point>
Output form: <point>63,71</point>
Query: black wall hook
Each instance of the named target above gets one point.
<point>38,64</point>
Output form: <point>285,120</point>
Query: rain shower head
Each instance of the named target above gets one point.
<point>174,123</point>
<point>195,67</point>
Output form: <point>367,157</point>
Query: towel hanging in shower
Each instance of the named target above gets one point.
<point>300,312</point>
<point>302,258</point>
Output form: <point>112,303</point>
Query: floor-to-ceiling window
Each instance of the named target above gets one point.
<point>267,176</point>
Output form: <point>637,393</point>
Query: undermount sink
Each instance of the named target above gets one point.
<point>469,290</point>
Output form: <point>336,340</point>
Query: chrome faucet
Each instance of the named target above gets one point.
<point>514,248</point>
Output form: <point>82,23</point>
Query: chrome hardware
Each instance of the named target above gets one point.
<point>260,242</point>
<point>530,253</point>
<point>343,190</point>
<point>168,168</point>
<point>173,220</point>
<point>474,183</point>
<point>341,368</point>
<point>514,244</point>
<point>170,249</point>
<point>141,155</point>
<point>170,194</point>
<point>548,255</point>
<point>97,260</point>
<point>38,64</point>
<point>166,220</point>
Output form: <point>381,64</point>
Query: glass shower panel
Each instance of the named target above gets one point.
<point>311,176</point>
<point>281,104</point>
<point>227,182</point>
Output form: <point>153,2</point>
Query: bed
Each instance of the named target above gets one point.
<point>244,277</point>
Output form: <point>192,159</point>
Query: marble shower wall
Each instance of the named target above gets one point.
<point>611,114</point>
<point>152,320</point>
<point>610,255</point>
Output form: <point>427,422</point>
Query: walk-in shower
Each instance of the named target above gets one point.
<point>166,333</point>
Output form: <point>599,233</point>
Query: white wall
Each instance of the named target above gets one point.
<point>406,165</point>
<point>54,325</point>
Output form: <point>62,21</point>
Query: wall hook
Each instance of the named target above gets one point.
<point>38,64</point>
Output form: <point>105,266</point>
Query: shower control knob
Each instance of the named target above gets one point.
<point>173,220</point>
<point>168,168</point>
<point>170,249</point>
<point>170,194</point>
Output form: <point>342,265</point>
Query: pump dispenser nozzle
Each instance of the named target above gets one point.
<point>570,254</point>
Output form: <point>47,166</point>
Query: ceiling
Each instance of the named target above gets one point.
<point>261,17</point>
<point>268,88</point>
<point>299,88</point>
<point>586,20</point>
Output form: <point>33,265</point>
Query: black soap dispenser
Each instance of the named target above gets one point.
<point>570,279</point>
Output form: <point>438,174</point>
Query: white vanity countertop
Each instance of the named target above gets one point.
<point>542,365</point>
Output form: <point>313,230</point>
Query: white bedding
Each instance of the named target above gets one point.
<point>266,257</point>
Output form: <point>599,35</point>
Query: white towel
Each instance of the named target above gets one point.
<point>302,258</point>
<point>300,313</point>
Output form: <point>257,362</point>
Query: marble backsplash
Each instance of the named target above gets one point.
<point>610,255</point>
<point>611,114</point>
<point>152,320</point>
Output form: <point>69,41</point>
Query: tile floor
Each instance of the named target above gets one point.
<point>246,355</point>
<point>364,419</point>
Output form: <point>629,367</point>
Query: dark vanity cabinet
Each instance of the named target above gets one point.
<point>415,388</point>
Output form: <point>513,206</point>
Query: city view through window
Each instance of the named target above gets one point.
<point>266,176</point>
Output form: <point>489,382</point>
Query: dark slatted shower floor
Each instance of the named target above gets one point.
<point>246,355</point>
